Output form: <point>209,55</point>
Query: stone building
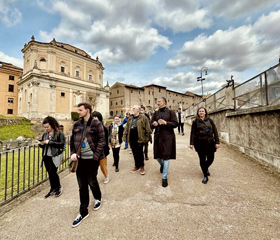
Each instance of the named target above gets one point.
<point>9,75</point>
<point>56,78</point>
<point>124,96</point>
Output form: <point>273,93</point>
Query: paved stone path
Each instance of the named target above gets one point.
<point>240,201</point>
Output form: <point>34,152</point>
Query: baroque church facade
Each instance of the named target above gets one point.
<point>56,78</point>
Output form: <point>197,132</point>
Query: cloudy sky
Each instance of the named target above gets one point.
<point>165,42</point>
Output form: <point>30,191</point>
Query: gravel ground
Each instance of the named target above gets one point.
<point>240,201</point>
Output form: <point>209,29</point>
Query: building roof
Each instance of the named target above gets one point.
<point>127,86</point>
<point>154,85</point>
<point>10,67</point>
<point>65,46</point>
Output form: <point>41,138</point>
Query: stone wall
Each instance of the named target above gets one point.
<point>4,121</point>
<point>255,133</point>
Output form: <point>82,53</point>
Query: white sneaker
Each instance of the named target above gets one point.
<point>107,179</point>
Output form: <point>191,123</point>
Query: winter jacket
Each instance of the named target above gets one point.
<point>95,137</point>
<point>164,137</point>
<point>143,129</point>
<point>204,134</point>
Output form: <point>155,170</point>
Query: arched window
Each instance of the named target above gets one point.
<point>90,75</point>
<point>77,71</point>
<point>42,63</point>
<point>62,67</point>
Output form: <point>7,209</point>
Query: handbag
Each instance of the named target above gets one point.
<point>73,165</point>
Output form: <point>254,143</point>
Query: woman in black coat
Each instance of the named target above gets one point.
<point>204,138</point>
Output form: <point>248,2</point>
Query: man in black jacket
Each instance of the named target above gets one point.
<point>92,151</point>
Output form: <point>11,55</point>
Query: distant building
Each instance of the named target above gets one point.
<point>56,78</point>
<point>9,75</point>
<point>124,96</point>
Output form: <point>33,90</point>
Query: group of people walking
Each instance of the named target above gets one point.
<point>91,139</point>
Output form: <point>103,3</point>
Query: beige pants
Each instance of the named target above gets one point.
<point>103,166</point>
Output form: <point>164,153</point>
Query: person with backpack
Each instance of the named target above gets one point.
<point>103,162</point>
<point>205,139</point>
<point>53,145</point>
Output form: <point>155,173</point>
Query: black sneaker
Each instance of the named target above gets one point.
<point>51,192</point>
<point>58,192</point>
<point>164,183</point>
<point>78,220</point>
<point>146,157</point>
<point>205,180</point>
<point>97,205</point>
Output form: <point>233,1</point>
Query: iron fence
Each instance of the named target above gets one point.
<point>20,170</point>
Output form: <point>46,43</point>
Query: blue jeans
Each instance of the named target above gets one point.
<point>165,164</point>
<point>126,144</point>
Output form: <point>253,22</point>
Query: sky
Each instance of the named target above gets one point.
<point>162,42</point>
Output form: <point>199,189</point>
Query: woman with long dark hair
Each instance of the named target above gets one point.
<point>53,142</point>
<point>204,138</point>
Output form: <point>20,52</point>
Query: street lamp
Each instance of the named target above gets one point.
<point>202,79</point>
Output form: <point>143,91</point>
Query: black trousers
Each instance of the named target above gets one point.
<point>206,158</point>
<point>137,150</point>
<point>116,156</point>
<point>87,177</point>
<point>52,171</point>
<point>181,126</point>
<point>146,146</point>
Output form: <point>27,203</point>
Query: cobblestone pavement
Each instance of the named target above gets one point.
<point>240,201</point>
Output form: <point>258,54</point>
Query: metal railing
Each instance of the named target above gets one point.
<point>261,90</point>
<point>20,170</point>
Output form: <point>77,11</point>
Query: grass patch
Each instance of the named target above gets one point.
<point>13,131</point>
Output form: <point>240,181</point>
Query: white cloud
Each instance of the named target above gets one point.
<point>235,49</point>
<point>12,60</point>
<point>9,15</point>
<point>232,9</point>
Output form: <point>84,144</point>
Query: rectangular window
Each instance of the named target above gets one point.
<point>89,77</point>
<point>116,103</point>
<point>111,103</point>
<point>11,88</point>
<point>149,93</point>
<point>149,101</point>
<point>131,91</point>
<point>10,100</point>
<point>77,73</point>
<point>10,111</point>
<point>159,90</point>
<point>155,99</point>
<point>139,92</point>
<point>121,102</point>
<point>118,91</point>
<point>11,77</point>
<point>62,69</point>
<point>62,94</point>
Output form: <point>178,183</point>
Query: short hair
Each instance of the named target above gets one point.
<point>143,107</point>
<point>53,123</point>
<point>179,108</point>
<point>136,106</point>
<point>164,99</point>
<point>86,106</point>
<point>116,116</point>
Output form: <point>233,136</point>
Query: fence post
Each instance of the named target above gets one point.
<point>266,91</point>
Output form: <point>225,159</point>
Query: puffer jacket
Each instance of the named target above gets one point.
<point>95,137</point>
<point>143,128</point>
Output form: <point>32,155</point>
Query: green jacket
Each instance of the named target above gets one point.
<point>143,128</point>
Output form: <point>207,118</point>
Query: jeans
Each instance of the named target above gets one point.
<point>52,171</point>
<point>165,164</point>
<point>137,150</point>
<point>116,156</point>
<point>126,144</point>
<point>86,176</point>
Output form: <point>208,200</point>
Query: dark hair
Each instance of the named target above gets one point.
<point>206,114</point>
<point>179,108</point>
<point>143,107</point>
<point>98,115</point>
<point>53,123</point>
<point>86,106</point>
<point>164,99</point>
